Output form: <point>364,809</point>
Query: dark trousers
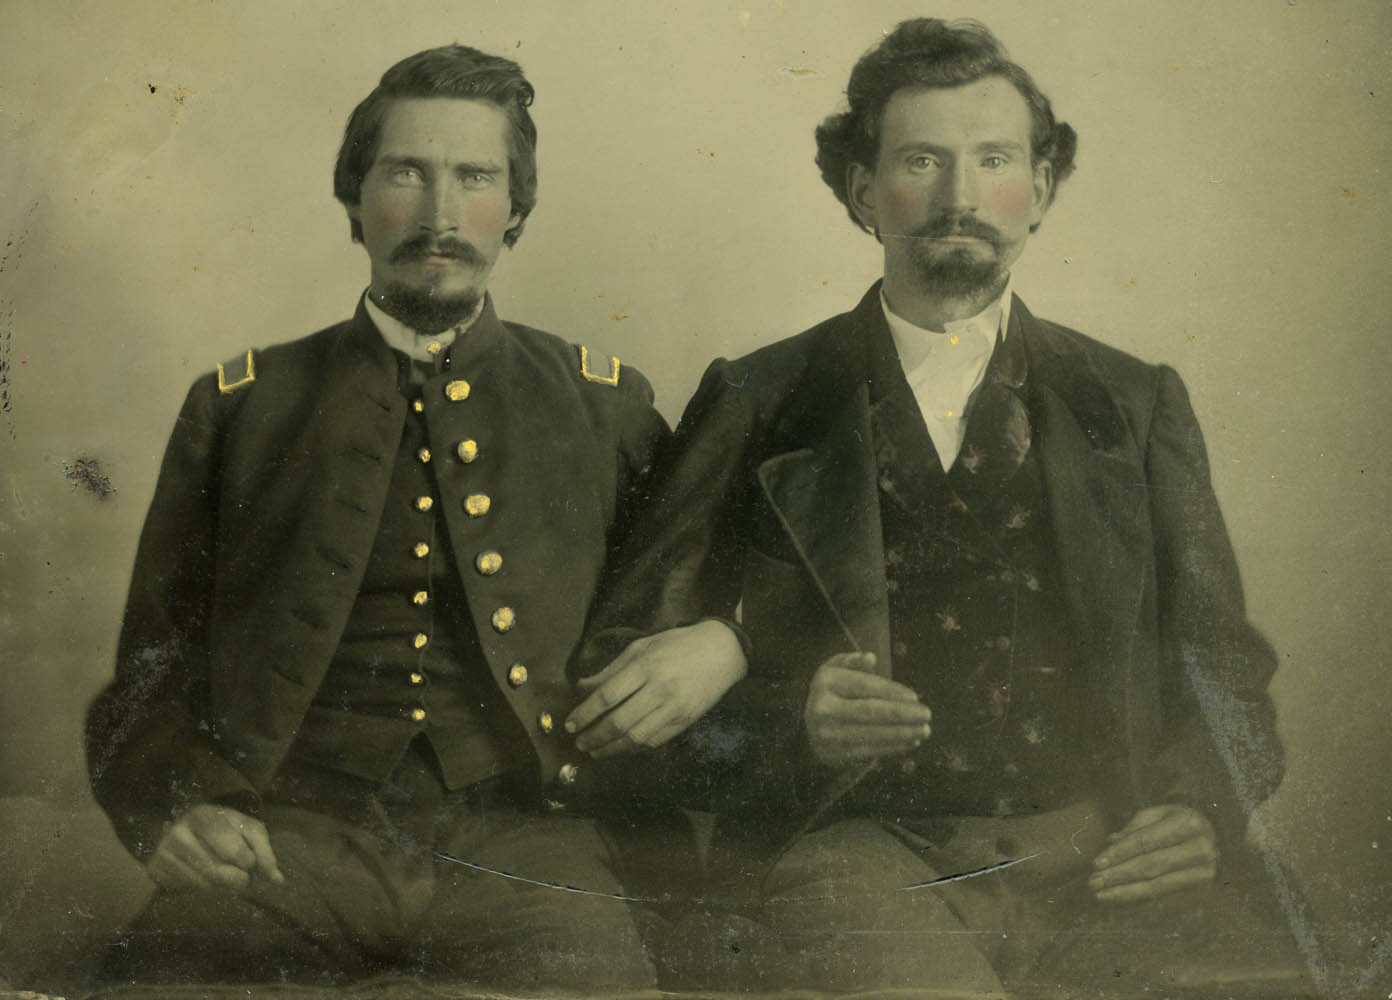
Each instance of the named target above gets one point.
<point>367,893</point>
<point>846,908</point>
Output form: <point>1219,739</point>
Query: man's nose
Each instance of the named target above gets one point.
<point>962,188</point>
<point>441,210</point>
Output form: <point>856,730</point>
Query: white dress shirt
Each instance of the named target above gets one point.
<point>416,346</point>
<point>944,368</point>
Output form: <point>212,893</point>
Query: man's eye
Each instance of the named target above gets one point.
<point>922,162</point>
<point>994,162</point>
<point>406,175</point>
<point>475,182</point>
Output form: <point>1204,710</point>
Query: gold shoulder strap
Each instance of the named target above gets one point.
<point>234,374</point>
<point>611,379</point>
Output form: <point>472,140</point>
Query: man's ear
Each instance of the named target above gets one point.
<point>354,221</point>
<point>860,190</point>
<point>1043,192</point>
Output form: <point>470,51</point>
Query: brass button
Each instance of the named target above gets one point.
<point>418,405</point>
<point>456,390</point>
<point>423,455</point>
<point>467,450</point>
<point>504,619</point>
<point>477,504</point>
<point>417,715</point>
<point>423,504</point>
<point>517,675</point>
<point>489,562</point>
<point>544,722</point>
<point>420,550</point>
<point>567,774</point>
<point>419,640</point>
<point>433,347</point>
<point>417,678</point>
<point>420,598</point>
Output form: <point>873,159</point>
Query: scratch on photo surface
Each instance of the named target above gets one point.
<point>1000,866</point>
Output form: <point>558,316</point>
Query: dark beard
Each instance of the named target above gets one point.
<point>955,273</point>
<point>423,309</point>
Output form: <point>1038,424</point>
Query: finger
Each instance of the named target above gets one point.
<point>260,842</point>
<point>1193,853</point>
<point>660,725</point>
<point>866,742</point>
<point>1145,817</point>
<point>187,847</point>
<point>855,684</point>
<point>1189,878</point>
<point>221,840</point>
<point>171,872</point>
<point>626,679</point>
<point>859,662</point>
<point>1172,829</point>
<point>873,711</point>
<point>616,724</point>
<point>615,665</point>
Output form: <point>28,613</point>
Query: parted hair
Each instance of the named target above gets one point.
<point>928,52</point>
<point>449,71</point>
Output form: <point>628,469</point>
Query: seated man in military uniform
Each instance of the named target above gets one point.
<point>369,555</point>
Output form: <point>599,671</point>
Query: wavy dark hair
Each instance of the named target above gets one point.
<point>449,71</point>
<point>928,52</point>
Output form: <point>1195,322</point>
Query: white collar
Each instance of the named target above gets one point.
<point>915,343</point>
<point>416,346</point>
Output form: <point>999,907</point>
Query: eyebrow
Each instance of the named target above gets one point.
<point>988,146</point>
<point>468,167</point>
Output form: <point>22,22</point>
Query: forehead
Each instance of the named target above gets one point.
<point>447,129</point>
<point>985,110</point>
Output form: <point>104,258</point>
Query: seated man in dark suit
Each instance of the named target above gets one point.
<point>1004,718</point>
<point>369,556</point>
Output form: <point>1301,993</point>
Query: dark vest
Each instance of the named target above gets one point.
<point>409,663</point>
<point>978,626</point>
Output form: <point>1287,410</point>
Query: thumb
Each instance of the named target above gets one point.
<point>259,841</point>
<point>615,665</point>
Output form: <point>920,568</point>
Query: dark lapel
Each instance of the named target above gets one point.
<point>825,494</point>
<point>1095,482</point>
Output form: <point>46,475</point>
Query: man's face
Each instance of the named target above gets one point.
<point>953,194</point>
<point>434,207</point>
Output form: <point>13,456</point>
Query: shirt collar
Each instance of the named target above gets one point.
<point>914,343</point>
<point>416,346</point>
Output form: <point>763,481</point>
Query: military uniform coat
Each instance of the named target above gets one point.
<point>768,509</point>
<point>268,502</point>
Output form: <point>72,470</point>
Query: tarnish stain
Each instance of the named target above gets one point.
<point>1347,192</point>
<point>86,472</point>
<point>797,71</point>
<point>6,343</point>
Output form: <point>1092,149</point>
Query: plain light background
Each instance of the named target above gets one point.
<point>165,184</point>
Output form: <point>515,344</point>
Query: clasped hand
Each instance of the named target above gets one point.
<point>1162,850</point>
<point>853,715</point>
<point>213,847</point>
<point>657,687</point>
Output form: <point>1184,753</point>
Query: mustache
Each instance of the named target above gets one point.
<point>423,246</point>
<point>954,224</point>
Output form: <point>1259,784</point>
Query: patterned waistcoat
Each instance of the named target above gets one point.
<point>977,624</point>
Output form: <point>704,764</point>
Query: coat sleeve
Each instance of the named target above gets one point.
<point>150,742</point>
<point>1220,750</point>
<point>682,560</point>
<point>680,553</point>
